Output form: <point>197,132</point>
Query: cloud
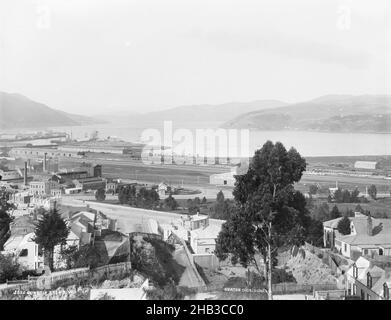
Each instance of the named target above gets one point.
<point>280,44</point>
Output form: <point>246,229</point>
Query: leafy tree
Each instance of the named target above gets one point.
<point>168,292</point>
<point>100,194</point>
<point>313,189</point>
<point>86,256</point>
<point>148,199</point>
<point>346,197</point>
<point>322,212</point>
<point>344,226</point>
<point>266,215</point>
<point>315,233</point>
<point>338,196</point>
<point>372,191</point>
<point>5,217</point>
<point>204,201</point>
<point>335,213</point>
<point>359,209</point>
<point>170,203</point>
<point>354,195</point>
<point>9,268</point>
<point>221,206</point>
<point>126,194</point>
<point>50,232</point>
<point>193,206</point>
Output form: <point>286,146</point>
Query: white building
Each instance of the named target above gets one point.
<point>368,236</point>
<point>203,240</point>
<point>25,250</point>
<point>369,165</point>
<point>43,187</point>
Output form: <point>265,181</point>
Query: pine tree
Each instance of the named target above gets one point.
<point>344,225</point>
<point>50,232</point>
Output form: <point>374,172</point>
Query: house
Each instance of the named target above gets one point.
<point>22,225</point>
<point>203,240</point>
<point>111,186</point>
<point>368,236</point>
<point>46,202</point>
<point>228,178</point>
<point>369,279</point>
<point>195,221</point>
<point>26,250</point>
<point>148,228</point>
<point>162,189</point>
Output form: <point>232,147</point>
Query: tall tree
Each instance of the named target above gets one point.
<point>343,225</point>
<point>170,203</point>
<point>50,232</point>
<point>100,194</point>
<point>335,213</point>
<point>5,217</point>
<point>267,215</point>
<point>9,268</point>
<point>372,191</point>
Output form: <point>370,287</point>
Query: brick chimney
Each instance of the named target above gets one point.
<point>369,225</point>
<point>44,162</point>
<point>25,174</point>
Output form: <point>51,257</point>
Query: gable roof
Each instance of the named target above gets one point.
<point>381,229</point>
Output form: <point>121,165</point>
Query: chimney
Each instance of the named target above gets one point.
<point>44,162</point>
<point>369,225</point>
<point>25,174</point>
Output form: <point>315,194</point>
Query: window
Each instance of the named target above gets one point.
<point>345,247</point>
<point>380,251</point>
<point>369,280</point>
<point>365,251</point>
<point>386,292</point>
<point>23,253</point>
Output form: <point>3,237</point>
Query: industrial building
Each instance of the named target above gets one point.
<point>9,175</point>
<point>106,146</point>
<point>44,187</point>
<point>93,183</point>
<point>369,165</point>
<point>34,152</point>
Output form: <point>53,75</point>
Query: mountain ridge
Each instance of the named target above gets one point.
<point>19,111</point>
<point>344,113</point>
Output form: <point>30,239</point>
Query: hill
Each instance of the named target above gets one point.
<point>18,111</point>
<point>342,113</point>
<point>195,113</point>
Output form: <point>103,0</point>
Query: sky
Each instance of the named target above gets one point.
<point>99,56</point>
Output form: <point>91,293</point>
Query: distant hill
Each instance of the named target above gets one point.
<point>196,113</point>
<point>333,113</point>
<point>18,111</point>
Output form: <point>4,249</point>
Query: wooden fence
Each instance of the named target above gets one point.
<point>47,282</point>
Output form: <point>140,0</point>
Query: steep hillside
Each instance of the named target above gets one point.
<point>343,113</point>
<point>18,111</point>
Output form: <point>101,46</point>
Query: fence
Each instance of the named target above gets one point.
<point>208,261</point>
<point>48,281</point>
<point>327,257</point>
<point>289,287</point>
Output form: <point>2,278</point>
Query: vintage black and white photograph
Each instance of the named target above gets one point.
<point>195,150</point>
